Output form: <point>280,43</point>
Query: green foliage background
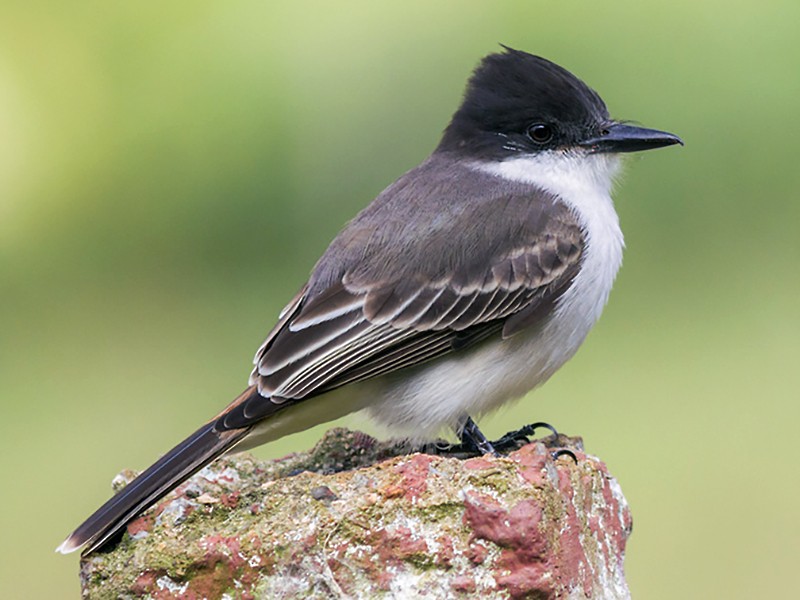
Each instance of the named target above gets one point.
<point>169,172</point>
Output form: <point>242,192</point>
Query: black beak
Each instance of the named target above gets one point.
<point>618,137</point>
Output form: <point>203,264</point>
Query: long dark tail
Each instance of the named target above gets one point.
<point>172,469</point>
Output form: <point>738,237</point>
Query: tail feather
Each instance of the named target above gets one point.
<point>172,469</point>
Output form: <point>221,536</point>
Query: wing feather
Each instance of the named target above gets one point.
<point>414,314</point>
<point>317,374</point>
<point>288,349</point>
<point>421,349</point>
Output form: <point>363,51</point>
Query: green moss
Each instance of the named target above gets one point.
<point>438,513</point>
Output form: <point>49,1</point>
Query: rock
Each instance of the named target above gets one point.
<point>358,518</point>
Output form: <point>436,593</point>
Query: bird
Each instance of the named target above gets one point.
<point>462,286</point>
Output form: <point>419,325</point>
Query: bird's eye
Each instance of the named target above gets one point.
<point>540,133</point>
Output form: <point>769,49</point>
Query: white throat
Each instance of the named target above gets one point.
<point>581,180</point>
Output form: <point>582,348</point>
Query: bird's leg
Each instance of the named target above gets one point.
<point>472,438</point>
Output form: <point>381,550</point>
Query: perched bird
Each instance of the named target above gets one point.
<point>466,283</point>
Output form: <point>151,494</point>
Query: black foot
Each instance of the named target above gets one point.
<point>516,439</point>
<point>473,442</point>
<point>472,439</point>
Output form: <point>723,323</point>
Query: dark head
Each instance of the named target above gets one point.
<point>517,103</point>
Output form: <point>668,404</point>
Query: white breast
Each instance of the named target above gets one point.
<point>474,382</point>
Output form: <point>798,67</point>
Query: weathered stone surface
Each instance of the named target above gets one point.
<point>357,518</point>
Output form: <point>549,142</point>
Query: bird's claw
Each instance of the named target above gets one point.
<point>556,454</point>
<point>516,439</point>
<point>473,442</point>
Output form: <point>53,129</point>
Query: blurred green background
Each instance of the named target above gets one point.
<point>169,173</point>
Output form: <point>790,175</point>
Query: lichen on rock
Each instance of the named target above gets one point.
<point>359,518</point>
